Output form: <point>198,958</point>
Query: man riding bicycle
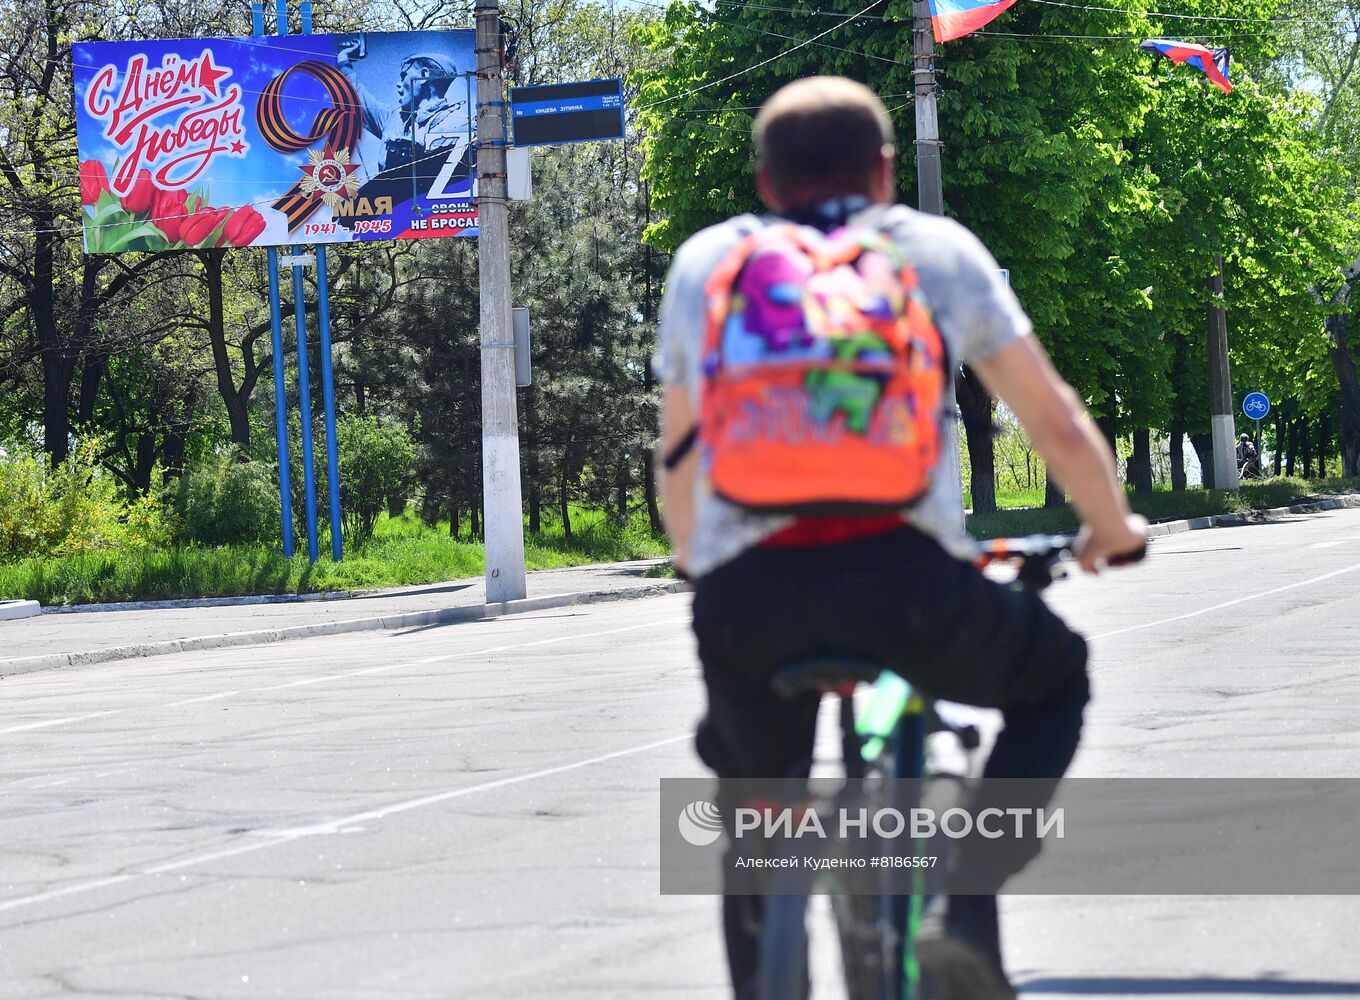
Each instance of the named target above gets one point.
<point>896,588</point>
<point>1248,461</point>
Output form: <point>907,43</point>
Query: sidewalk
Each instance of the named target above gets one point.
<point>56,639</point>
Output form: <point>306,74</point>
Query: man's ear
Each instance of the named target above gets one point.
<point>766,190</point>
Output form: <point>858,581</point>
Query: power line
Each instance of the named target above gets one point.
<point>817,12</point>
<point>1185,17</point>
<point>791,38</point>
<point>750,69</point>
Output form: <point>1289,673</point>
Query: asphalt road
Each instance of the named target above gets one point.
<point>470,810</point>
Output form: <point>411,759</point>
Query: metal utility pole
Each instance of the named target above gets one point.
<point>930,191</point>
<point>503,517</point>
<point>1221,424</point>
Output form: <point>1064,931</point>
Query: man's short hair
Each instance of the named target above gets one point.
<point>822,136</point>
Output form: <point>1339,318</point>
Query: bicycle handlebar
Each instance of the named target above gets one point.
<point>1037,556</point>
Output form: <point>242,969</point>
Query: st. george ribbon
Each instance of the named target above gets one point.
<point>340,125</point>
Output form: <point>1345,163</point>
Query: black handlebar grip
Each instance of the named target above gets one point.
<point>1128,558</point>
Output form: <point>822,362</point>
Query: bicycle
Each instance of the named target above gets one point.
<point>886,741</point>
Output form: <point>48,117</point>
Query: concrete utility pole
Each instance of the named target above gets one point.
<point>930,183</point>
<point>930,192</point>
<point>503,517</point>
<point>1221,423</point>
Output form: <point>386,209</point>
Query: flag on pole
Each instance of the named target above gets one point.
<point>956,18</point>
<point>1213,63</point>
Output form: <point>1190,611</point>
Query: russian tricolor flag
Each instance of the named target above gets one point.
<point>956,18</point>
<point>1213,63</point>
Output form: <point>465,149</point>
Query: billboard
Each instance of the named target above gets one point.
<point>270,140</point>
<point>567,112</point>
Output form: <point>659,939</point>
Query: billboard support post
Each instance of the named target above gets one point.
<point>280,404</point>
<point>323,308</point>
<point>305,406</point>
<point>502,503</point>
<point>276,332</point>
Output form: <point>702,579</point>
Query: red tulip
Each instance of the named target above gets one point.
<point>138,200</point>
<point>168,213</point>
<point>200,225</point>
<point>94,181</point>
<point>241,229</point>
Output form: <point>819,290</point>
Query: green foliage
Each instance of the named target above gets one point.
<point>376,460</point>
<point>73,508</point>
<point>402,552</point>
<point>224,501</point>
<point>1166,506</point>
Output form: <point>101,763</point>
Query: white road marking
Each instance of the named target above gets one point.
<point>272,838</point>
<point>1332,545</point>
<point>1229,604</point>
<point>27,726</point>
<point>367,671</point>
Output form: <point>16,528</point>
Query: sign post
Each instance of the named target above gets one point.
<point>502,498</point>
<point>1256,407</point>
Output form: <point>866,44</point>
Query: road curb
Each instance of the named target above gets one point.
<point>14,610</point>
<point>406,619</point>
<point>1250,516</point>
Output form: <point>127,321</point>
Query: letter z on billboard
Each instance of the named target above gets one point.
<point>276,139</point>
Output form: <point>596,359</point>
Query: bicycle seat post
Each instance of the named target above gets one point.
<point>852,747</point>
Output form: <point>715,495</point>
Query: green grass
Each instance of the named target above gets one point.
<point>1164,505</point>
<point>402,552</point>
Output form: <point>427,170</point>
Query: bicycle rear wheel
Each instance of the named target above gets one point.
<point>783,968</point>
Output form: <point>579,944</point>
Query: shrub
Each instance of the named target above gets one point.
<point>223,501</point>
<point>67,510</point>
<point>376,462</point>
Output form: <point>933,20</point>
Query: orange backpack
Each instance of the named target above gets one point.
<point>823,375</point>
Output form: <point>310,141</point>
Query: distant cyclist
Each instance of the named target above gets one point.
<point>1248,460</point>
<point>894,587</point>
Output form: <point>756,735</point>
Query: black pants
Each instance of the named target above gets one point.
<point>900,600</point>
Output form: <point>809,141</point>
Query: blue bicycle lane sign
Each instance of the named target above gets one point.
<point>1256,405</point>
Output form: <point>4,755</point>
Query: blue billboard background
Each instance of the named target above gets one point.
<point>276,139</point>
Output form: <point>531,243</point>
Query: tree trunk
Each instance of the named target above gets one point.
<point>621,484</point>
<point>1323,445</point>
<point>56,357</point>
<point>533,486</point>
<point>1140,465</point>
<point>96,359</point>
<point>1279,439</point>
<point>1053,493</point>
<point>1177,457</point>
<point>172,459</point>
<point>1292,447</point>
<point>977,407</point>
<point>563,508</point>
<point>474,522</point>
<point>1338,347</point>
<point>237,415</point>
<point>649,492</point>
<point>1306,448</point>
<point>1204,451</point>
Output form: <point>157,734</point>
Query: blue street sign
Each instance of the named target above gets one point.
<point>1256,406</point>
<point>567,112</point>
